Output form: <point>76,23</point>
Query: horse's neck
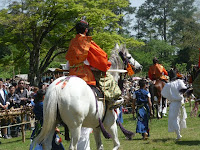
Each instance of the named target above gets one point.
<point>116,64</point>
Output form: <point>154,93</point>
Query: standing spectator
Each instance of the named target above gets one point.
<point>173,91</point>
<point>29,89</point>
<point>14,83</point>
<point>15,103</point>
<point>4,102</point>
<point>47,80</point>
<point>13,97</point>
<point>8,82</point>
<point>141,98</point>
<point>22,92</point>
<point>33,94</point>
<point>45,86</point>
<point>51,80</point>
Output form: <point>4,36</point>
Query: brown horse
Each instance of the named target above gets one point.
<point>156,98</point>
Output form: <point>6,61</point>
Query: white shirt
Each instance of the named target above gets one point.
<point>171,90</point>
<point>2,94</point>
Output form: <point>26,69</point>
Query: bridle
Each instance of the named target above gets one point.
<point>126,60</point>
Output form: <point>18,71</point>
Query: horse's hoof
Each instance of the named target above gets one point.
<point>101,148</point>
<point>116,148</point>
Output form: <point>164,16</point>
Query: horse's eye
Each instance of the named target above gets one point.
<point>129,57</point>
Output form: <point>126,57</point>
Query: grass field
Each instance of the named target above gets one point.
<point>159,139</point>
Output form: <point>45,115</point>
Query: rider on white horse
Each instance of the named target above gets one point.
<point>89,62</point>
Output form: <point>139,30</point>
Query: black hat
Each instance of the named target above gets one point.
<point>155,60</point>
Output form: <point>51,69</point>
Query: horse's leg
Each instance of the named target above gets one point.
<point>151,90</point>
<point>164,106</point>
<point>190,103</point>
<point>75,135</point>
<point>97,136</point>
<point>113,131</point>
<point>159,96</point>
<point>74,125</point>
<point>111,126</point>
<point>159,107</point>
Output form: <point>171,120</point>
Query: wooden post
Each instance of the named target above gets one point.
<point>23,127</point>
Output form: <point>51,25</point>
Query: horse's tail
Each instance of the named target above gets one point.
<point>49,113</point>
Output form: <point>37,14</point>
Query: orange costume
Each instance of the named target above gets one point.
<point>83,48</point>
<point>156,72</point>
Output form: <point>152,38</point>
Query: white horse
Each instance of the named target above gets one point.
<point>74,102</point>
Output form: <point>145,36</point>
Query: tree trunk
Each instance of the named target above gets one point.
<point>34,65</point>
<point>31,74</point>
<point>165,25</point>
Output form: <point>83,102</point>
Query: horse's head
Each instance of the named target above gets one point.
<point>120,58</point>
<point>127,58</point>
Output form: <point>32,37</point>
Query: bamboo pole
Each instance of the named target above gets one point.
<point>23,128</point>
<point>13,125</point>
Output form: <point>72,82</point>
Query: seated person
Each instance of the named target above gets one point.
<point>89,62</point>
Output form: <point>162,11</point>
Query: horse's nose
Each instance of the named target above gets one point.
<point>140,68</point>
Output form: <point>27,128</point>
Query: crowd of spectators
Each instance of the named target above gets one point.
<point>17,94</point>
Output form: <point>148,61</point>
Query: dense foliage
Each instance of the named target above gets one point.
<point>175,22</point>
<point>34,35</point>
<point>39,30</point>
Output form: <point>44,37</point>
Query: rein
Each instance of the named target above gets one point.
<point>105,112</point>
<point>127,64</point>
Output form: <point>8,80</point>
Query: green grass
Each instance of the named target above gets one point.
<point>160,138</point>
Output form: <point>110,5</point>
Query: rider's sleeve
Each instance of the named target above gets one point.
<point>98,57</point>
<point>165,72</point>
<point>78,49</point>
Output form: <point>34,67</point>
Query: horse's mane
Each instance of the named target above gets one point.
<point>115,58</point>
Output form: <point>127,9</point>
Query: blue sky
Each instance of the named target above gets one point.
<point>136,3</point>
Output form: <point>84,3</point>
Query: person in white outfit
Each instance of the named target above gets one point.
<point>173,91</point>
<point>84,141</point>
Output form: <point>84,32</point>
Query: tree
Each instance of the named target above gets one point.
<point>155,48</point>
<point>163,19</point>
<point>125,21</point>
<point>39,28</point>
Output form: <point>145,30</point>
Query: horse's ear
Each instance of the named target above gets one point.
<point>117,48</point>
<point>123,48</point>
<point>116,45</point>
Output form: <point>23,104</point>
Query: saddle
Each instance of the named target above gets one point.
<point>97,92</point>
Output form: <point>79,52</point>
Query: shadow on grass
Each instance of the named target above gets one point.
<point>9,142</point>
<point>189,143</point>
<point>162,140</point>
<point>12,141</point>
